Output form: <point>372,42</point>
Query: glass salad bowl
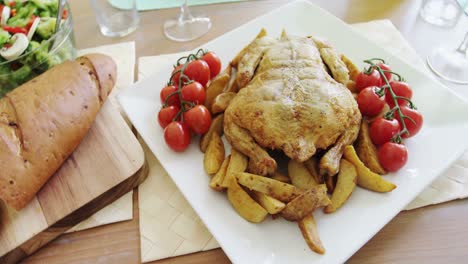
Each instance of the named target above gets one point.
<point>40,56</point>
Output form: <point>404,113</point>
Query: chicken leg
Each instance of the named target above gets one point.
<point>260,161</point>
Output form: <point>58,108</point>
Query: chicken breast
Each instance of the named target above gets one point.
<point>289,101</point>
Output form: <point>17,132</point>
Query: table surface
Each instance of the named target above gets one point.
<point>434,234</point>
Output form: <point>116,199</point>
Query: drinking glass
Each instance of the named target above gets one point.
<point>186,27</point>
<point>451,64</point>
<point>444,13</point>
<point>116,21</point>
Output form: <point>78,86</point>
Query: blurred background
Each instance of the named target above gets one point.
<point>424,36</point>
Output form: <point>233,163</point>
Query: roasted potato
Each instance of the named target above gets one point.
<point>276,189</point>
<point>214,154</point>
<point>272,205</point>
<point>304,204</point>
<point>366,178</point>
<point>312,166</point>
<point>245,206</point>
<point>309,231</point>
<point>216,87</point>
<point>299,175</point>
<point>217,180</point>
<point>238,163</point>
<point>221,102</point>
<point>330,183</point>
<point>352,68</point>
<point>353,73</point>
<point>280,177</point>
<point>217,125</point>
<point>346,182</point>
<point>366,150</point>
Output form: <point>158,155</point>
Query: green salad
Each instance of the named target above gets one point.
<point>26,27</point>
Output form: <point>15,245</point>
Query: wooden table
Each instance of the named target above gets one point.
<point>433,234</point>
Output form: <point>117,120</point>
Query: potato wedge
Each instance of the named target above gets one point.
<point>280,177</point>
<point>353,73</point>
<point>352,68</point>
<point>215,88</point>
<point>221,102</point>
<point>330,183</point>
<point>312,166</point>
<point>346,182</point>
<point>272,205</point>
<point>366,150</point>
<point>366,178</point>
<point>217,180</point>
<point>244,205</point>
<point>238,163</point>
<point>276,189</point>
<point>309,231</point>
<point>351,85</point>
<point>300,176</point>
<point>214,154</point>
<point>304,204</point>
<point>217,125</point>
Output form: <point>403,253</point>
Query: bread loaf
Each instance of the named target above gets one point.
<point>44,120</point>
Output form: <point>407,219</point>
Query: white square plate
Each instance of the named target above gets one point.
<point>439,143</point>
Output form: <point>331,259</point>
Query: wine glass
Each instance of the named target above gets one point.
<point>186,27</point>
<point>451,65</point>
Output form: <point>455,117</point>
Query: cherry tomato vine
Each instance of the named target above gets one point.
<point>182,111</point>
<point>183,80</point>
<point>387,88</point>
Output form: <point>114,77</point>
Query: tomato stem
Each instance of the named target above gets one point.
<point>191,57</point>
<point>377,59</point>
<point>400,78</point>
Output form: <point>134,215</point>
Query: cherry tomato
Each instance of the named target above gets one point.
<point>392,156</point>
<point>385,67</point>
<point>198,119</point>
<point>177,136</point>
<point>199,71</point>
<point>413,128</point>
<point>400,89</point>
<point>167,115</point>
<point>213,62</point>
<point>168,90</point>
<point>370,104</point>
<point>382,130</point>
<point>194,92</point>
<point>176,76</point>
<point>363,80</point>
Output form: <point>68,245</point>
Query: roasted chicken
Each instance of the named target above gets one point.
<point>292,97</point>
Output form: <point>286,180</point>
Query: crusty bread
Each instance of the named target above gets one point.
<point>44,120</point>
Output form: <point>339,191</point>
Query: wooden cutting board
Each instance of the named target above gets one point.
<point>108,163</point>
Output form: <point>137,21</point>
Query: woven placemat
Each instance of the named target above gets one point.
<point>169,226</point>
